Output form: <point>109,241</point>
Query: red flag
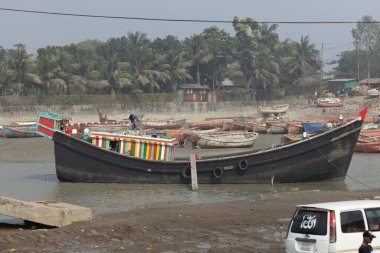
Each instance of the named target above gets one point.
<point>363,112</point>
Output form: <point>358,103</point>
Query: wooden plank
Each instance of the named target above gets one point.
<point>194,178</point>
<point>56,214</point>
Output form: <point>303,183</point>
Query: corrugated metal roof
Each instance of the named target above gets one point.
<point>193,86</point>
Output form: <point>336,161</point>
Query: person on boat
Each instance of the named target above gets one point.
<point>133,119</point>
<point>367,239</point>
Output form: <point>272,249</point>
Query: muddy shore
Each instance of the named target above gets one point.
<point>235,226</point>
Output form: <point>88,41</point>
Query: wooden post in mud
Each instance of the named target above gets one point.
<point>194,178</point>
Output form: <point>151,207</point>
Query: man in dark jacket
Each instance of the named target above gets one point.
<point>367,239</point>
<point>133,119</point>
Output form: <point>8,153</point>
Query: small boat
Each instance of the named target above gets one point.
<point>329,102</point>
<point>276,126</point>
<point>211,123</point>
<point>275,109</point>
<point>163,123</point>
<point>373,93</point>
<point>228,140</point>
<point>325,156</point>
<point>20,131</point>
<point>294,127</point>
<point>368,144</point>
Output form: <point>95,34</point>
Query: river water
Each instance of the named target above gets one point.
<point>34,179</point>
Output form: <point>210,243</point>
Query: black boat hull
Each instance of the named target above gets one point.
<point>320,158</point>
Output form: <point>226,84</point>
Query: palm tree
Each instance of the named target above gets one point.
<point>266,71</point>
<point>177,67</point>
<point>141,60</point>
<point>198,54</point>
<point>304,62</point>
<point>305,58</point>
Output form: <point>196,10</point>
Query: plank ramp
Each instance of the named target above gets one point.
<point>56,214</point>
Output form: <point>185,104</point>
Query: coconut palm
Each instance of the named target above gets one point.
<point>198,53</point>
<point>305,59</point>
<point>141,60</point>
<point>177,68</point>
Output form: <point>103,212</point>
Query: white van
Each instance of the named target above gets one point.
<point>333,226</point>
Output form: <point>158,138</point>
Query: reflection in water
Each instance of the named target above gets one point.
<point>37,181</point>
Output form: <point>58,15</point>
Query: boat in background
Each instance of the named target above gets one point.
<point>275,109</point>
<point>19,129</point>
<point>233,139</point>
<point>329,102</point>
<point>163,123</point>
<point>211,123</point>
<point>373,93</point>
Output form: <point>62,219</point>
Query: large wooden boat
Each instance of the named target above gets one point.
<point>329,102</point>
<point>325,156</point>
<point>232,139</point>
<point>275,109</point>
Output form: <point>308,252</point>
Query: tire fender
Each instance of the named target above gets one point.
<point>218,172</point>
<point>243,164</point>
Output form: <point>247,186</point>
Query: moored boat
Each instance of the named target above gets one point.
<point>163,123</point>
<point>20,131</point>
<point>228,140</point>
<point>275,109</point>
<point>329,102</point>
<point>322,157</point>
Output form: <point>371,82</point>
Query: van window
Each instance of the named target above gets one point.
<point>352,221</point>
<point>373,218</point>
<point>310,222</point>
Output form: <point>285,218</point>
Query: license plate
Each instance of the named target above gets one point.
<point>308,247</point>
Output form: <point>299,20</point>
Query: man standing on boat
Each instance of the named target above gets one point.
<point>133,119</point>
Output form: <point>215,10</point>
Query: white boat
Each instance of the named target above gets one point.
<point>275,110</point>
<point>237,139</point>
<point>373,93</point>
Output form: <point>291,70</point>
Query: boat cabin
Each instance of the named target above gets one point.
<point>48,123</point>
<point>138,145</point>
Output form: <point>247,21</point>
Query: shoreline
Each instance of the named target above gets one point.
<point>255,226</point>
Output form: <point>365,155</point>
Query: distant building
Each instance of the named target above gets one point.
<point>193,92</point>
<point>341,87</point>
<point>371,82</point>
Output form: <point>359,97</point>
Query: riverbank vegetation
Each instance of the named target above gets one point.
<point>254,59</point>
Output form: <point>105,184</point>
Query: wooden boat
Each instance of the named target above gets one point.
<point>237,125</point>
<point>276,127</point>
<point>209,124</point>
<point>322,157</point>
<point>163,123</point>
<point>329,102</point>
<point>294,127</point>
<point>20,131</point>
<point>258,127</point>
<point>373,93</point>
<point>368,144</point>
<point>228,140</point>
<point>275,109</point>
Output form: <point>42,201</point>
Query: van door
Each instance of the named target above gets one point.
<point>308,231</point>
<point>352,226</point>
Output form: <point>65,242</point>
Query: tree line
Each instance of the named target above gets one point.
<point>253,58</point>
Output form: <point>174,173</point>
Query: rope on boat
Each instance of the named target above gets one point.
<point>339,170</point>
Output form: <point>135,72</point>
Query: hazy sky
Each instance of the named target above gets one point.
<point>37,30</point>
